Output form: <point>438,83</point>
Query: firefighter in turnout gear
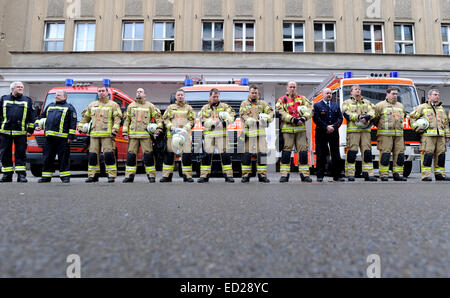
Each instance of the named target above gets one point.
<point>105,117</point>
<point>256,114</point>
<point>389,117</point>
<point>215,116</point>
<point>434,138</point>
<point>59,120</point>
<point>17,122</point>
<point>178,119</point>
<point>358,112</point>
<point>295,110</point>
<point>137,127</point>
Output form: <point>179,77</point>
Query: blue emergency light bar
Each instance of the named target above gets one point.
<point>188,83</point>
<point>244,82</point>
<point>348,75</point>
<point>69,82</point>
<point>394,74</point>
<point>107,82</point>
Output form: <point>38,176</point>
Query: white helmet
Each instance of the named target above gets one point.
<point>151,128</point>
<point>41,123</point>
<point>208,124</point>
<point>302,110</point>
<point>224,116</point>
<point>359,124</point>
<point>86,127</point>
<point>263,116</point>
<point>421,123</point>
<point>178,141</point>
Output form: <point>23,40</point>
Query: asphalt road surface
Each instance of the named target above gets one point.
<point>225,230</point>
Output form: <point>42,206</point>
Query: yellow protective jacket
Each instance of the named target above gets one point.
<point>138,115</point>
<point>249,112</point>
<point>179,115</point>
<point>105,115</point>
<point>287,107</point>
<point>389,118</point>
<point>354,110</point>
<point>209,116</point>
<point>436,116</point>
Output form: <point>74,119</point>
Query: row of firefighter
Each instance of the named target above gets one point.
<point>142,120</point>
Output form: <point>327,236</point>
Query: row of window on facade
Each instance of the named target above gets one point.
<point>243,37</point>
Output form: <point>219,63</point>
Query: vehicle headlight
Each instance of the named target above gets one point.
<point>416,150</point>
<point>32,142</point>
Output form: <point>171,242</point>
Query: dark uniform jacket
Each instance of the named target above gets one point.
<point>16,115</point>
<point>324,116</point>
<point>61,120</point>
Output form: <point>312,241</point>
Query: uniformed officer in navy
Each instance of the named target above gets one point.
<point>16,123</point>
<point>60,124</point>
<point>328,118</point>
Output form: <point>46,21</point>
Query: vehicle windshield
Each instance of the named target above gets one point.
<point>224,95</point>
<point>407,95</point>
<point>80,101</point>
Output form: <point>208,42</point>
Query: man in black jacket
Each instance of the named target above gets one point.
<point>60,124</point>
<point>328,119</point>
<point>16,123</point>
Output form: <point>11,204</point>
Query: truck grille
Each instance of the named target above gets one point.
<point>78,142</point>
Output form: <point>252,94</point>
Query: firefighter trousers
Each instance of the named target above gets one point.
<point>432,148</point>
<point>149,160</point>
<point>211,142</point>
<point>387,145</point>
<point>95,146</point>
<point>300,141</point>
<point>255,145</point>
<point>56,146</point>
<point>361,141</point>
<point>20,148</point>
<point>186,159</point>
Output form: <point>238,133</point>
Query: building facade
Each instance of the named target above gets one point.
<point>156,43</point>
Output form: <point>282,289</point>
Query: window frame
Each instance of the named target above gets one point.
<point>85,36</point>
<point>244,35</point>
<point>403,42</point>
<point>46,25</point>
<point>164,35</point>
<point>324,41</point>
<point>213,37</point>
<point>447,43</point>
<point>372,37</point>
<point>133,39</point>
<point>293,39</point>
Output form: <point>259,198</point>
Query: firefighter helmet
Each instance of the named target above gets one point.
<point>178,141</point>
<point>421,123</point>
<point>41,123</point>
<point>151,128</point>
<point>86,127</point>
<point>224,116</point>
<point>302,110</point>
<point>359,124</point>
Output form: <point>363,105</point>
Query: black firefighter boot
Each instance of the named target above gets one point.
<point>7,177</point>
<point>305,178</point>
<point>21,177</point>
<point>166,179</point>
<point>440,177</point>
<point>92,179</point>
<point>397,177</point>
<point>203,179</point>
<point>45,180</point>
<point>284,179</point>
<point>263,179</point>
<point>151,179</point>
<point>368,178</point>
<point>129,179</point>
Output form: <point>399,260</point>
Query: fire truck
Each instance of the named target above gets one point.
<point>373,88</point>
<point>197,95</point>
<point>80,95</point>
